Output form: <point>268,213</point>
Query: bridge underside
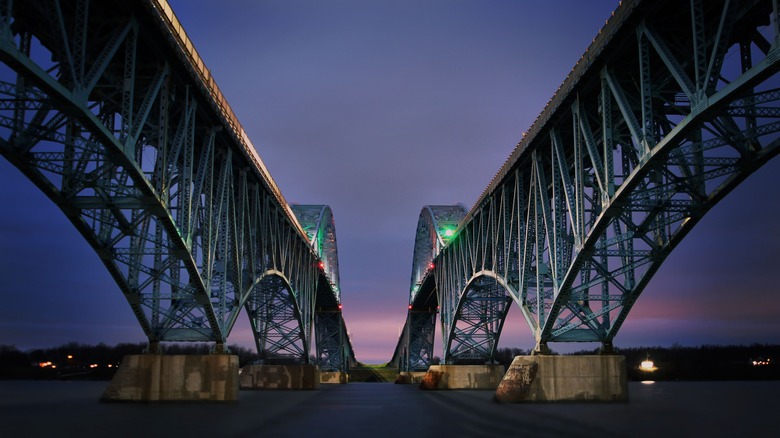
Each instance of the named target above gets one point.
<point>275,321</point>
<point>477,323</point>
<point>672,106</point>
<point>109,110</point>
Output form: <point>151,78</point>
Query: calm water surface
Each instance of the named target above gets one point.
<point>663,409</point>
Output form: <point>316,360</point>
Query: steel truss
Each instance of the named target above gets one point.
<point>672,106</point>
<point>480,314</point>
<point>334,348</point>
<point>435,228</point>
<point>275,320</point>
<point>331,335</point>
<point>415,347</point>
<point>109,110</point>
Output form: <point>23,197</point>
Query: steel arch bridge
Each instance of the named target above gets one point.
<point>108,109</point>
<point>669,109</point>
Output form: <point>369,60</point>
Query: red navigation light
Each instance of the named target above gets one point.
<point>322,265</point>
<point>431,266</point>
<point>340,306</point>
<point>410,307</point>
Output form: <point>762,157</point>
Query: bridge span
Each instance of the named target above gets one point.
<point>109,110</point>
<point>670,108</point>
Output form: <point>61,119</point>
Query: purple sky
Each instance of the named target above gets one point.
<point>378,108</point>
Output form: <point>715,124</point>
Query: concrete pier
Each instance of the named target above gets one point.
<point>157,377</point>
<point>462,377</point>
<point>280,377</point>
<point>410,377</point>
<point>334,377</point>
<point>544,378</point>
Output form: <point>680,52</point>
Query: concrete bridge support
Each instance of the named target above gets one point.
<point>542,378</point>
<point>334,377</point>
<point>280,377</point>
<point>462,377</point>
<point>410,377</point>
<point>158,377</point>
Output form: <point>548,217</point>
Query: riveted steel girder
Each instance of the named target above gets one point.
<point>109,110</point>
<point>672,106</point>
<point>276,321</point>
<point>436,226</point>
<point>414,350</point>
<point>472,334</point>
<point>334,349</point>
<point>317,221</point>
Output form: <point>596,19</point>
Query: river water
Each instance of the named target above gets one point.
<point>661,409</point>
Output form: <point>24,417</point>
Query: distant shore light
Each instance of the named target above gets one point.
<point>647,364</point>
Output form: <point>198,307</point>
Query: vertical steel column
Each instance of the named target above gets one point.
<point>421,332</point>
<point>330,341</point>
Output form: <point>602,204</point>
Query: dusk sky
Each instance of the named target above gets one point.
<point>377,108</point>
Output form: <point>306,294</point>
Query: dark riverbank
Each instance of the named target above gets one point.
<point>705,363</point>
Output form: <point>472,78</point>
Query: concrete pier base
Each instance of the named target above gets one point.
<point>410,377</point>
<point>462,377</point>
<point>337,377</point>
<point>157,377</point>
<point>280,377</point>
<point>564,379</point>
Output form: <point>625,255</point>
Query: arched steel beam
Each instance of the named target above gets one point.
<point>646,134</point>
<point>334,348</point>
<point>275,319</point>
<point>318,223</point>
<point>114,116</point>
<point>436,226</point>
<point>473,334</point>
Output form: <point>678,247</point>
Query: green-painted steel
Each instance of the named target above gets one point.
<point>669,109</point>
<point>108,108</point>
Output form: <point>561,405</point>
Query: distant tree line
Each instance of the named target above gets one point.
<point>505,356</point>
<point>706,362</point>
<point>84,361</point>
